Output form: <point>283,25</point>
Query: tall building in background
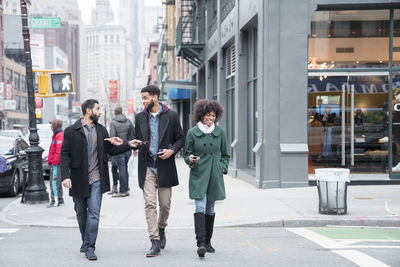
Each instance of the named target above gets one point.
<point>102,13</point>
<point>106,60</point>
<point>128,17</point>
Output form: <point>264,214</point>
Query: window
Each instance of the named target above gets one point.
<point>17,101</point>
<point>9,75</point>
<point>112,39</point>
<point>105,38</point>
<point>349,39</point>
<point>17,81</point>
<point>117,39</point>
<point>251,96</point>
<point>24,104</point>
<point>23,83</point>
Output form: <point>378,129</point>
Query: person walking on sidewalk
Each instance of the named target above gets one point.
<point>161,137</point>
<point>207,154</point>
<point>84,170</point>
<point>121,127</point>
<point>56,191</point>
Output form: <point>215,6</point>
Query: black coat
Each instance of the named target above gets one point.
<point>170,136</point>
<point>74,159</point>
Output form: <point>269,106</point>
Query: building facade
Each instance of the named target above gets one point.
<point>305,84</point>
<point>15,94</point>
<point>105,62</point>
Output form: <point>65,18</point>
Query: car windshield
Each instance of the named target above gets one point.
<point>6,146</point>
<point>10,133</point>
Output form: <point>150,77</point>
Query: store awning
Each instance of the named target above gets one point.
<point>178,93</point>
<point>179,89</point>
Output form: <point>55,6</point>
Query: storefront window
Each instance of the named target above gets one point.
<point>348,121</point>
<point>349,39</point>
<point>396,38</point>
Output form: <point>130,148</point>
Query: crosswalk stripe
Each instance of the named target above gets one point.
<point>360,258</point>
<point>8,230</point>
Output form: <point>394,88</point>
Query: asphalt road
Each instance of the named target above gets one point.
<point>325,246</point>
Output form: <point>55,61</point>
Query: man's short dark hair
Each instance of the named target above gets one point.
<point>89,103</point>
<point>152,90</point>
<point>118,110</point>
<point>204,106</point>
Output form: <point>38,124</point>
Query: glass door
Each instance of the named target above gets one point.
<point>348,121</point>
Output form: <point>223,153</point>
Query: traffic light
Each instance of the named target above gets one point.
<point>43,84</point>
<point>61,83</point>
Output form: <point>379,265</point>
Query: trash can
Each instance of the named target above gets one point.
<point>332,190</point>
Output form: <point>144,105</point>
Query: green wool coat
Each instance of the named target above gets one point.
<point>206,175</point>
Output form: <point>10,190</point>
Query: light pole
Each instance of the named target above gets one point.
<point>35,190</point>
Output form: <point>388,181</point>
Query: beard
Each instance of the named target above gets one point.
<point>94,118</point>
<point>151,105</point>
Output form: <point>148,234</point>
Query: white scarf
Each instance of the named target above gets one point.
<point>205,128</point>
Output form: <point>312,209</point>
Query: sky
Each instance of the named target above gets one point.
<point>86,7</point>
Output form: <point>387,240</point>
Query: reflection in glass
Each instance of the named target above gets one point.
<point>341,107</point>
<point>349,39</point>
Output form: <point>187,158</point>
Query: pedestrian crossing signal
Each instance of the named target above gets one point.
<point>62,83</point>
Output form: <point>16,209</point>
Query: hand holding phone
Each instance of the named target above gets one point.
<point>194,158</point>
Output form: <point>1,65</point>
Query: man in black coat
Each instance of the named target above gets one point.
<point>84,170</point>
<point>159,136</point>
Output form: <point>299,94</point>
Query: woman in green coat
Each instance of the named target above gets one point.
<point>207,154</point>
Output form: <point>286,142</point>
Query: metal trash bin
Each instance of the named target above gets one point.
<point>332,190</point>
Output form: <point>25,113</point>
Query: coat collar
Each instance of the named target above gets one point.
<point>197,132</point>
<point>164,109</point>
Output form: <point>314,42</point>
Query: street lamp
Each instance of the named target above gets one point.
<point>36,190</point>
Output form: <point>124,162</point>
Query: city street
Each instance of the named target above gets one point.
<point>52,246</point>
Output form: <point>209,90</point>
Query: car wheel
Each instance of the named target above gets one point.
<point>14,190</point>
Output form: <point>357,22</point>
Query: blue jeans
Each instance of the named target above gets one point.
<point>88,215</point>
<point>123,175</point>
<point>204,206</point>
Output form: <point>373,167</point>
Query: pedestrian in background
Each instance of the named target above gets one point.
<point>121,127</point>
<point>84,170</point>
<point>56,191</point>
<point>159,136</point>
<point>207,154</point>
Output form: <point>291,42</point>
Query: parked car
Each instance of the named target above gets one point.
<point>11,133</point>
<point>45,135</point>
<point>13,151</point>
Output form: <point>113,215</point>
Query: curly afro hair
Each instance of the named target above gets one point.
<point>204,106</point>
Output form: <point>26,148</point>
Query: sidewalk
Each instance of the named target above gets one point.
<point>245,205</point>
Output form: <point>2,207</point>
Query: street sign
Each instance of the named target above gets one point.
<point>113,87</point>
<point>131,108</point>
<point>10,104</point>
<point>45,22</point>
<point>38,113</point>
<point>61,83</point>
<point>9,94</point>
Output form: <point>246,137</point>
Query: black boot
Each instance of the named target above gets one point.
<point>163,239</point>
<point>200,230</point>
<point>155,249</point>
<point>209,232</point>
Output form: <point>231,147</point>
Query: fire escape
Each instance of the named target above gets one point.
<point>188,33</point>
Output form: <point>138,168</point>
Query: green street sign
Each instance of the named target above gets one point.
<point>45,22</point>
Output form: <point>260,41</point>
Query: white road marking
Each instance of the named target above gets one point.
<point>8,230</point>
<point>352,255</point>
<point>317,238</point>
<point>360,258</point>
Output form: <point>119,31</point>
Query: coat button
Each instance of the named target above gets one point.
<point>204,144</point>
<point>211,144</point>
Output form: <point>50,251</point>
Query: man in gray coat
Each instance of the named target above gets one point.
<point>121,127</point>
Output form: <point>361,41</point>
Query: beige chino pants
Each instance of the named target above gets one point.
<point>150,190</point>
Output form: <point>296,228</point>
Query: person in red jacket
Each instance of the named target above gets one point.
<point>56,191</point>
